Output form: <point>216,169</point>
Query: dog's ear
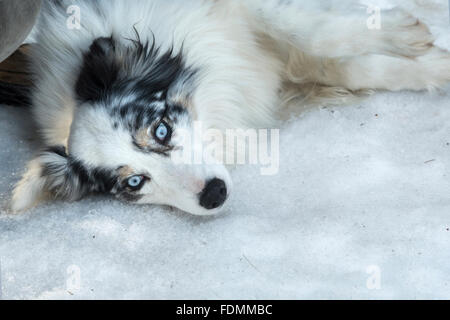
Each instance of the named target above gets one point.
<point>99,72</point>
<point>50,174</point>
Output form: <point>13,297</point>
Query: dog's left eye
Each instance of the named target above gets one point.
<point>163,133</point>
<point>136,183</point>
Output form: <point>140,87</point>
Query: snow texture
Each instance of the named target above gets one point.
<point>360,209</point>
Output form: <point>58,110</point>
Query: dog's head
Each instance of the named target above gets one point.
<point>128,136</point>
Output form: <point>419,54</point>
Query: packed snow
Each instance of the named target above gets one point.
<point>360,209</point>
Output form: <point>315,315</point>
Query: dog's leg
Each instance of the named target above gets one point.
<point>426,72</point>
<point>340,33</point>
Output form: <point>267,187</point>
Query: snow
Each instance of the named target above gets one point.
<point>360,209</point>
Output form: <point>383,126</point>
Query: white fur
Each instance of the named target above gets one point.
<point>252,55</point>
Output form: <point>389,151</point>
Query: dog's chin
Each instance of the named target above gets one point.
<point>188,208</point>
<point>201,212</point>
<point>197,210</point>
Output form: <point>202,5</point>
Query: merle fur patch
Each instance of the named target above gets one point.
<point>118,68</point>
<point>68,178</point>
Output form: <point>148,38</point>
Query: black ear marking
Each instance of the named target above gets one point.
<point>114,65</point>
<point>69,179</point>
<point>99,72</point>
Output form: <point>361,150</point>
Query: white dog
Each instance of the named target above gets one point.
<point>113,94</point>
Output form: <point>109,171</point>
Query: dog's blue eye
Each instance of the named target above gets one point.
<point>162,132</point>
<point>135,182</point>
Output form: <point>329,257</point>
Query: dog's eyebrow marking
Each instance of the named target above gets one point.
<point>136,115</point>
<point>125,172</point>
<point>142,139</point>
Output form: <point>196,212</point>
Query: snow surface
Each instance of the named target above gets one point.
<point>361,188</point>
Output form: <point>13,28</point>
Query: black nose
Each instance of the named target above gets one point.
<point>214,194</point>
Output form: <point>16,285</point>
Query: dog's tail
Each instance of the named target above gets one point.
<point>16,79</point>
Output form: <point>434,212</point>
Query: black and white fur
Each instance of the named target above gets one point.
<point>102,91</point>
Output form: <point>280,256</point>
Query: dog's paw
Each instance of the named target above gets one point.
<point>435,67</point>
<point>27,192</point>
<point>404,35</point>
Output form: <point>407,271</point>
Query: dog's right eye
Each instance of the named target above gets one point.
<point>136,183</point>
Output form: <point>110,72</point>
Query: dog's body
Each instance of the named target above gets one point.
<point>112,96</point>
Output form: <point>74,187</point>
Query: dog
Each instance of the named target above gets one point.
<point>112,96</point>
